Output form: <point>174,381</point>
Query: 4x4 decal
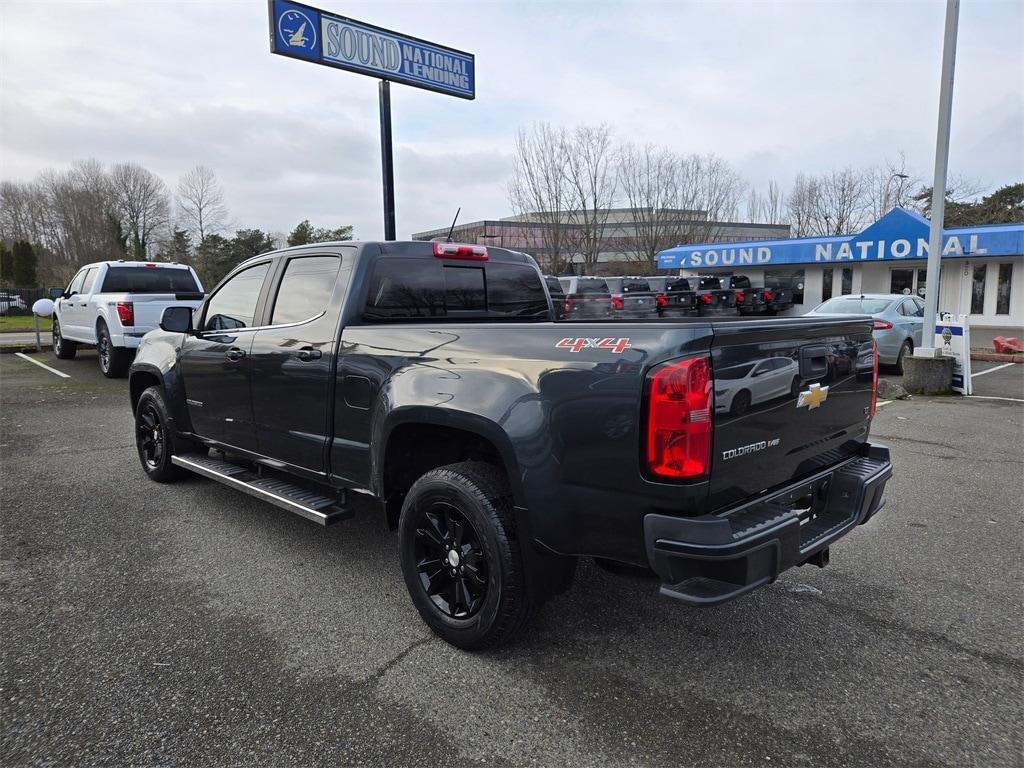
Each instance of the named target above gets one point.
<point>618,346</point>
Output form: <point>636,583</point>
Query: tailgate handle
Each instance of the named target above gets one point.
<point>813,361</point>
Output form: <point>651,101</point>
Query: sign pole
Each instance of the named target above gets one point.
<point>387,162</point>
<point>931,298</point>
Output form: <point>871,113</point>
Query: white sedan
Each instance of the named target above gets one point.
<point>740,386</point>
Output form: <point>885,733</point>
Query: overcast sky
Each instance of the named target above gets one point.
<point>774,87</point>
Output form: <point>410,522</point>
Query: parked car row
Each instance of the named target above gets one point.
<point>638,298</point>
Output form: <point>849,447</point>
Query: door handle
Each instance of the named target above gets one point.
<point>310,353</point>
<point>235,354</point>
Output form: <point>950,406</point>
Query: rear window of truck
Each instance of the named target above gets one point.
<point>411,288</point>
<point>149,280</point>
<point>679,285</point>
<point>592,286</point>
<point>710,284</point>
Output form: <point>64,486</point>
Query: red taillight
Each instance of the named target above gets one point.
<point>874,377</point>
<point>768,295</point>
<point>740,297</point>
<point>126,312</point>
<point>457,251</point>
<point>882,325</point>
<point>679,419</point>
<point>662,301</point>
<point>706,298</point>
<point>616,302</point>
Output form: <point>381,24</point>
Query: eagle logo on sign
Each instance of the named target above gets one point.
<point>296,29</point>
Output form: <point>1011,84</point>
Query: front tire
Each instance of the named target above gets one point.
<point>906,349</point>
<point>114,361</point>
<point>740,403</point>
<point>460,558</point>
<point>154,437</point>
<point>62,348</point>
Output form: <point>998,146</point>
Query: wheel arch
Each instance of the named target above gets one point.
<point>416,440</point>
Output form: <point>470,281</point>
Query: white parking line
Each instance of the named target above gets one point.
<point>23,356</point>
<point>997,368</point>
<point>991,397</point>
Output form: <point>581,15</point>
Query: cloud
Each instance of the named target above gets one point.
<point>776,88</point>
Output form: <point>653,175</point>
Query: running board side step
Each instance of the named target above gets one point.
<point>305,503</point>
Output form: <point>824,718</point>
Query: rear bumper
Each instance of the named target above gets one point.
<point>714,558</point>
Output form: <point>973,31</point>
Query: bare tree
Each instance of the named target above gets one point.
<point>649,181</point>
<point>591,176</point>
<point>834,203</point>
<point>142,202</point>
<point>707,184</point>
<point>201,206</point>
<point>539,189</point>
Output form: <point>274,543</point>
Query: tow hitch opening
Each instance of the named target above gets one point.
<point>819,558</point>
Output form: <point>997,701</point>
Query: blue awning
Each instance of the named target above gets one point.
<point>900,234</point>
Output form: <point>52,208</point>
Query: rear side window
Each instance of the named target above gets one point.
<point>411,288</point>
<point>234,305</point>
<point>305,288</point>
<point>149,280</point>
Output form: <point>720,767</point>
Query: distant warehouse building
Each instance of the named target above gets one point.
<point>982,271</point>
<point>532,233</point>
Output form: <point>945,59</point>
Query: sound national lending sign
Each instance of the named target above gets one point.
<point>303,32</point>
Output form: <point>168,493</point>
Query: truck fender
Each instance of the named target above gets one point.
<point>145,375</point>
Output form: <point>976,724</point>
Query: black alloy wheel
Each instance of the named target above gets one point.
<point>62,348</point>
<point>450,560</point>
<point>149,436</point>
<point>103,350</point>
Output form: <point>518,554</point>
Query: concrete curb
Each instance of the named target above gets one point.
<point>10,349</point>
<point>996,357</point>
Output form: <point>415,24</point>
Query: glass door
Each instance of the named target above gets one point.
<point>909,282</point>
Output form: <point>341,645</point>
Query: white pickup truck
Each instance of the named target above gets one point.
<point>113,304</point>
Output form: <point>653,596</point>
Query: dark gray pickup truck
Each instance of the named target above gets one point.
<point>504,446</point>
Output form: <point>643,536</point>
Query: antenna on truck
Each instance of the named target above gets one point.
<point>452,227</point>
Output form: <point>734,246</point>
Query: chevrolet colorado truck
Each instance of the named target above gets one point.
<point>504,446</point>
<point>113,304</point>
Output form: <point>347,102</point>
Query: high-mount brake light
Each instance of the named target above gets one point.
<point>679,408</point>
<point>126,312</point>
<point>768,295</point>
<point>459,251</point>
<point>617,302</point>
<point>874,377</point>
<point>882,325</point>
<point>150,265</point>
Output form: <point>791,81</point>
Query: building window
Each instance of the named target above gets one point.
<point>978,290</point>
<point>792,279</point>
<point>1003,291</point>
<point>826,284</point>
<point>847,287</point>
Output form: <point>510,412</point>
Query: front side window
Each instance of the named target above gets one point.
<point>978,290</point>
<point>76,283</point>
<point>234,305</point>
<point>1003,289</point>
<point>305,288</point>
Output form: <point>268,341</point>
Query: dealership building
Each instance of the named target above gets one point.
<point>529,233</point>
<point>982,271</point>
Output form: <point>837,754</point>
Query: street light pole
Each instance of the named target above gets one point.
<point>899,187</point>
<point>931,298</point>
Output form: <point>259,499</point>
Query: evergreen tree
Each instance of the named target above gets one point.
<point>25,263</point>
<point>305,233</point>
<point>6,264</point>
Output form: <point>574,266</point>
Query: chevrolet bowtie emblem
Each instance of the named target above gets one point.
<point>813,397</point>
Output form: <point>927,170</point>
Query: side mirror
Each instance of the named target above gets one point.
<point>176,320</point>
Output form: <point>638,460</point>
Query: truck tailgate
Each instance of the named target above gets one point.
<point>150,306</point>
<point>791,396</point>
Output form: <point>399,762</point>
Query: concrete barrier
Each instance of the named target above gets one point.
<point>927,375</point>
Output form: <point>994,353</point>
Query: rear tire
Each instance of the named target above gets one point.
<point>62,348</point>
<point>906,349</point>
<point>154,437</point>
<point>114,361</point>
<point>460,558</point>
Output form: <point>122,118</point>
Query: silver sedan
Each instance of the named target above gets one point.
<point>899,321</point>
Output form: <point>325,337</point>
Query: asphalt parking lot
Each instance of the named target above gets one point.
<point>191,625</point>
